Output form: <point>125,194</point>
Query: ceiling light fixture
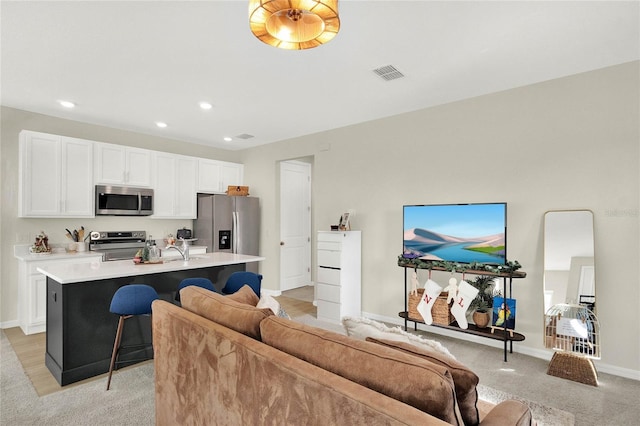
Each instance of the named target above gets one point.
<point>294,24</point>
<point>161,124</point>
<point>205,105</point>
<point>227,139</point>
<point>66,104</point>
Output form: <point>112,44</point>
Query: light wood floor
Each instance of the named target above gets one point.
<point>31,349</point>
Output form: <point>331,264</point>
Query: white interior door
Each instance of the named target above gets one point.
<point>295,224</point>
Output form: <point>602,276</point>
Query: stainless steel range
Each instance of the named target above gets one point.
<point>117,245</point>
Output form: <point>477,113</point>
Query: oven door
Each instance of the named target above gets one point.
<point>117,254</point>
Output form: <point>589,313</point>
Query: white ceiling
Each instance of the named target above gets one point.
<point>129,64</point>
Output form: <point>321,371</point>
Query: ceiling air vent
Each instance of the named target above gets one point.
<point>244,136</point>
<point>388,72</point>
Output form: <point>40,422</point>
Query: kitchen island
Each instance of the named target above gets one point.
<point>80,328</point>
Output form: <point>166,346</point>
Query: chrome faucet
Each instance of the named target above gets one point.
<point>185,249</point>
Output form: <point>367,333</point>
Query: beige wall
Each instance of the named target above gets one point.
<point>570,143</point>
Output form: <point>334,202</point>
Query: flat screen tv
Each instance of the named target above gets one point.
<point>463,233</point>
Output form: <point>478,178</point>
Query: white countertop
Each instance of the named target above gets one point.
<point>73,273</point>
<point>21,252</point>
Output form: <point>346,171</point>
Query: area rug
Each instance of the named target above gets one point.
<point>129,402</point>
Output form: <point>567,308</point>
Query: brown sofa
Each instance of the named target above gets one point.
<point>219,360</point>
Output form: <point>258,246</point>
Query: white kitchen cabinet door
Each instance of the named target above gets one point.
<point>209,175</point>
<point>55,176</point>
<point>77,183</point>
<point>215,176</point>
<point>174,186</point>
<point>231,174</point>
<point>122,165</point>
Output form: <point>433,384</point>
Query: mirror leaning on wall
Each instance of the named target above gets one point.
<point>569,260</point>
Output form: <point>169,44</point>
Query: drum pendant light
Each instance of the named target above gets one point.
<point>294,24</point>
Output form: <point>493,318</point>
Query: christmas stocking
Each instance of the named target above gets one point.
<point>431,292</point>
<point>466,293</point>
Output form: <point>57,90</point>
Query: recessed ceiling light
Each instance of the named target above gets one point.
<point>161,124</point>
<point>205,105</point>
<point>66,104</point>
<point>228,139</point>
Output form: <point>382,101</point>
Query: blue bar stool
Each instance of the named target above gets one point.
<point>199,282</point>
<point>128,301</point>
<point>238,279</point>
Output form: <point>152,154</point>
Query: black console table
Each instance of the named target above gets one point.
<point>503,334</point>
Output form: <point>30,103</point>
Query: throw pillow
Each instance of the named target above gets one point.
<point>245,295</point>
<point>240,317</point>
<point>464,380</point>
<point>267,301</point>
<point>414,381</point>
<point>361,328</point>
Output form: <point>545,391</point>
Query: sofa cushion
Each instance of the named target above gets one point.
<point>240,317</point>
<point>245,295</point>
<point>361,328</point>
<point>414,381</point>
<point>464,380</point>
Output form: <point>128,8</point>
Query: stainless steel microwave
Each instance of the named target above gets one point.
<point>123,201</point>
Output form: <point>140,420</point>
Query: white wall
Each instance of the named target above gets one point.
<point>570,143</point>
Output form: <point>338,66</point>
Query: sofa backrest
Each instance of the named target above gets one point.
<point>412,380</point>
<point>206,373</point>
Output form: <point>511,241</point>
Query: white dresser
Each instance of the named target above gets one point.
<point>338,278</point>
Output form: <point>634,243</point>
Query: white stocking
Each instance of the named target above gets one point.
<point>466,293</point>
<point>431,292</point>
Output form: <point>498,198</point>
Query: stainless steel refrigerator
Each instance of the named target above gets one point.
<point>229,224</point>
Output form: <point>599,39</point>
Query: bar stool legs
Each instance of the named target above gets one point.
<point>128,301</point>
<point>116,346</point>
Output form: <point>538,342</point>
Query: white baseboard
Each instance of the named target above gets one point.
<point>533,352</point>
<point>9,324</point>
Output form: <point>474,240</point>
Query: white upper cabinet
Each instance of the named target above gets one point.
<point>56,176</point>
<point>122,165</point>
<point>215,176</point>
<point>174,185</point>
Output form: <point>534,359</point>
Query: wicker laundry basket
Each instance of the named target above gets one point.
<point>573,367</point>
<point>440,311</point>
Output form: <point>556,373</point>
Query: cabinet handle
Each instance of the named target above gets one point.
<point>281,243</point>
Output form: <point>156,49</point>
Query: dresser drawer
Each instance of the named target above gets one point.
<point>329,258</point>
<point>328,293</point>
<point>328,310</point>
<point>328,276</point>
<point>326,245</point>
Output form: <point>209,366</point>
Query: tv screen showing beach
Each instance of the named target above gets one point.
<point>462,233</point>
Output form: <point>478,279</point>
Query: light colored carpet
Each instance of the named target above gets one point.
<point>129,402</point>
<point>131,398</point>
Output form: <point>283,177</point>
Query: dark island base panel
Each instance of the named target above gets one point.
<point>81,330</point>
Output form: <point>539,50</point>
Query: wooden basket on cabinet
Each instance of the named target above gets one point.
<point>238,190</point>
<point>440,311</point>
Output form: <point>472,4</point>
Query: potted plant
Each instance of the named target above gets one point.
<point>483,302</point>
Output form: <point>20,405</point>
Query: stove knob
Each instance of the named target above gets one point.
<point>95,235</point>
